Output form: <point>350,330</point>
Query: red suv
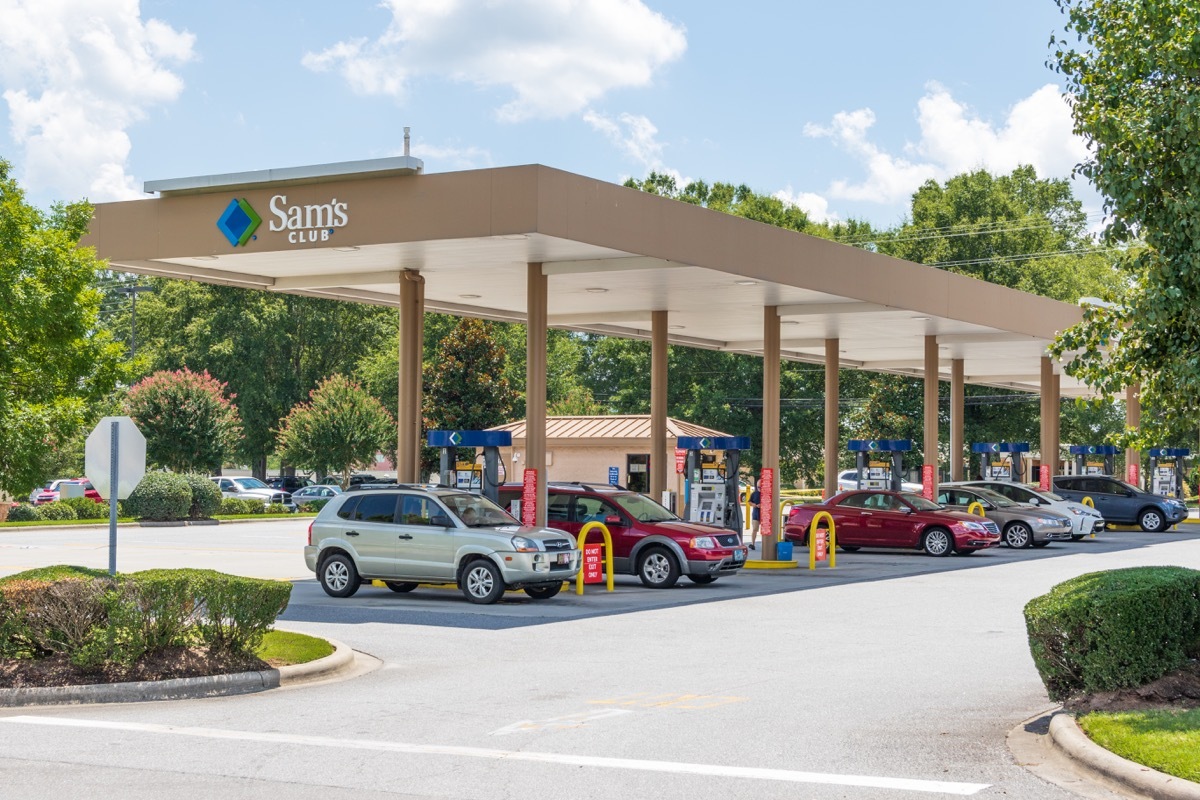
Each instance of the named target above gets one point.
<point>648,540</point>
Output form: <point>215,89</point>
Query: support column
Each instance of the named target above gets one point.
<point>535,383</point>
<point>408,408</point>
<point>1055,421</point>
<point>832,417</point>
<point>658,404</point>
<point>958,407</point>
<point>931,408</point>
<point>770,418</point>
<point>1133,419</point>
<point>1046,385</point>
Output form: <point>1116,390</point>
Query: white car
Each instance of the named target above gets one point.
<point>848,479</point>
<point>1084,520</point>
<point>252,489</point>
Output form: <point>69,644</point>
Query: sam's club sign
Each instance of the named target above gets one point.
<point>303,223</point>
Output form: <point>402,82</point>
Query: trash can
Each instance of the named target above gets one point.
<point>783,551</point>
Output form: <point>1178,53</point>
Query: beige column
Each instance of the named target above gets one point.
<point>832,415</point>
<point>535,382</point>
<point>408,408</point>
<point>958,407</point>
<point>770,418</point>
<point>931,407</point>
<point>658,403</point>
<point>1046,384</point>
<point>1055,421</point>
<point>1133,419</point>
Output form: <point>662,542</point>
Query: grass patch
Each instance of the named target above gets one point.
<point>1168,741</point>
<point>264,516</point>
<point>47,523</point>
<point>282,648</point>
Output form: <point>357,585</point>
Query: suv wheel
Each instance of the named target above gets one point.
<point>1018,535</point>
<point>1151,520</point>
<point>481,582</point>
<point>657,568</point>
<point>544,592</point>
<point>339,577</point>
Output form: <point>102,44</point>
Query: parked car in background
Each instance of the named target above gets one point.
<point>288,483</point>
<point>252,489</point>
<point>309,493</point>
<point>848,480</point>
<point>1121,503</point>
<point>50,491</point>
<point>648,540</point>
<point>89,491</point>
<point>409,535</point>
<point>1020,525</point>
<point>873,518</point>
<point>1084,519</point>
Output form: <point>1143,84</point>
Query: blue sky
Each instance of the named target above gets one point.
<point>842,108</point>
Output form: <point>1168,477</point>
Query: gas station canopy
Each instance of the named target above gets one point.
<point>612,256</point>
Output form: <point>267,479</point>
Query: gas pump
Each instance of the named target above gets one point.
<point>711,483</point>
<point>1094,459</point>
<point>878,462</point>
<point>1166,470</point>
<point>467,475</point>
<point>1001,461</point>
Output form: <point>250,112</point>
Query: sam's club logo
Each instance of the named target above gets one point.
<point>239,222</point>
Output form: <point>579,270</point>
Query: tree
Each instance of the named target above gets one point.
<point>189,423</point>
<point>53,359</point>
<point>342,426</point>
<point>1131,75</point>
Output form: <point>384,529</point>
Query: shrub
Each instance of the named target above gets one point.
<point>1114,630</point>
<point>238,611</point>
<point>65,616</point>
<point>206,496</point>
<point>58,510</point>
<point>24,513</point>
<point>314,505</point>
<point>160,496</point>
<point>86,508</point>
<point>276,508</point>
<point>238,505</point>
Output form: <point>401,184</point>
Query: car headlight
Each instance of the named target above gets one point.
<point>524,545</point>
<point>704,543</point>
<point>1048,521</point>
<point>976,527</point>
<point>1077,511</point>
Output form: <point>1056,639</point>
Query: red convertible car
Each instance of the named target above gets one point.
<point>894,519</point>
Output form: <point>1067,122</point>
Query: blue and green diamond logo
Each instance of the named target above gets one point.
<point>239,222</point>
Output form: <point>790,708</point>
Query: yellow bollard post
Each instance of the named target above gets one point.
<point>971,508</point>
<point>812,548</point>
<point>608,556</point>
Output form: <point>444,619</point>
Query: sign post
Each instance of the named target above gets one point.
<point>115,461</point>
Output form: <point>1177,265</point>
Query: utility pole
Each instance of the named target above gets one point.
<point>133,292</point>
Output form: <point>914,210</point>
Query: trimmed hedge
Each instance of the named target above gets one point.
<point>24,513</point>
<point>58,510</point>
<point>161,496</point>
<point>1114,630</point>
<point>206,496</point>
<point>314,505</point>
<point>100,622</point>
<point>238,505</point>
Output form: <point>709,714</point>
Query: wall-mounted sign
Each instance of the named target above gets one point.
<point>303,223</point>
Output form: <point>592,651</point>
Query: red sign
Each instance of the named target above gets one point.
<point>529,493</point>
<point>1044,478</point>
<point>680,461</point>
<point>822,543</point>
<point>1131,473</point>
<point>927,481</point>
<point>593,563</point>
<point>766,501</point>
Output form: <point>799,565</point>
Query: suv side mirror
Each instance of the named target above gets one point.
<point>440,521</point>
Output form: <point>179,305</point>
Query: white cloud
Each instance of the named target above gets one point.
<point>451,156</point>
<point>76,75</point>
<point>637,137</point>
<point>814,205</point>
<point>557,56</point>
<point>1037,131</point>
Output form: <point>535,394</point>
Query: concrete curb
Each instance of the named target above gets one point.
<point>1070,739</point>
<point>342,659</point>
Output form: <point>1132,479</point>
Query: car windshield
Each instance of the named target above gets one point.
<point>920,503</point>
<point>643,509</point>
<point>251,483</point>
<point>998,500</point>
<point>475,511</point>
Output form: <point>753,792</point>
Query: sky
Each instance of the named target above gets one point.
<point>844,109</point>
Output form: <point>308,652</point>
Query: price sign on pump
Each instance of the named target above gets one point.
<point>766,500</point>
<point>529,492</point>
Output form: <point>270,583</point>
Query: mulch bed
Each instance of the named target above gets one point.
<point>1176,690</point>
<point>177,662</point>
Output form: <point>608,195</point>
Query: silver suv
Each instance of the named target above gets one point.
<point>409,535</point>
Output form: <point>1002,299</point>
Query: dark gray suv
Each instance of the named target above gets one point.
<point>1119,502</point>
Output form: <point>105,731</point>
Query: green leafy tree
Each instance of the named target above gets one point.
<point>341,427</point>
<point>189,423</point>
<point>53,359</point>
<point>1131,76</point>
<point>740,200</point>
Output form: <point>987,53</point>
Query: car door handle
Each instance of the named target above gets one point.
<point>404,536</point>
<point>352,533</point>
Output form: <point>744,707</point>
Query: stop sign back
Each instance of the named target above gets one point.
<point>131,457</point>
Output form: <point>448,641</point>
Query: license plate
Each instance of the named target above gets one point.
<point>564,558</point>
<point>739,555</point>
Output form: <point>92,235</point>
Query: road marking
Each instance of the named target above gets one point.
<point>685,701</point>
<point>559,723</point>
<point>670,767</point>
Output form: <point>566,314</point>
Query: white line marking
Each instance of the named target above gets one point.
<point>672,767</point>
<point>557,723</point>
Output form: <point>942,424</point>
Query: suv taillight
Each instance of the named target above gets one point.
<point>310,533</point>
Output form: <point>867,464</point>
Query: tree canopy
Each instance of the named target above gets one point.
<point>189,423</point>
